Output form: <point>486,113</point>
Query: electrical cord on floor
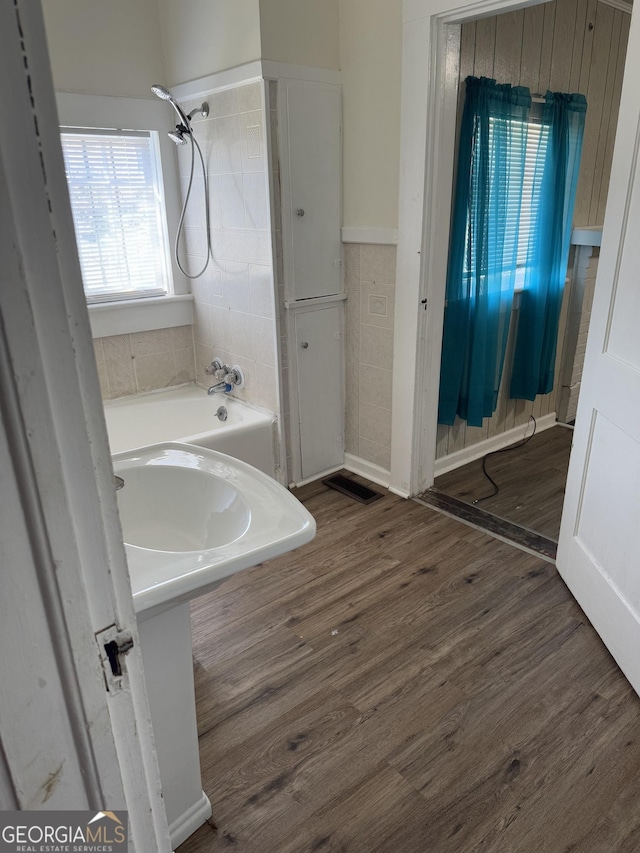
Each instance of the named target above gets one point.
<point>502,450</point>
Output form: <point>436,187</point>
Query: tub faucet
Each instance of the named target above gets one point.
<point>230,377</point>
<point>219,388</point>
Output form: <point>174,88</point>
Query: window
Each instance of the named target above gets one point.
<point>118,212</point>
<point>519,221</point>
<point>537,141</point>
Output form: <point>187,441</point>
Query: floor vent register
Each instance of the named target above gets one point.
<point>354,490</point>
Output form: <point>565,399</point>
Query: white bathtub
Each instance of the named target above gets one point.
<point>189,414</point>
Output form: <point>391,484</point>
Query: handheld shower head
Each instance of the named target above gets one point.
<point>180,136</point>
<point>162,92</point>
<point>185,120</point>
<point>166,95</point>
<point>177,135</point>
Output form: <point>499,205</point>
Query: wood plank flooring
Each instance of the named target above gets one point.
<point>532,481</point>
<point>407,684</point>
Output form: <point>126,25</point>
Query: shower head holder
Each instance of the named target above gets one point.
<point>203,108</point>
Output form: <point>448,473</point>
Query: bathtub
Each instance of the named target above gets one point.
<point>188,414</point>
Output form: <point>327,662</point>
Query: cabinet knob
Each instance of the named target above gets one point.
<point>304,345</point>
<point>299,212</point>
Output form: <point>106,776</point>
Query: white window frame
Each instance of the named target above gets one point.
<point>101,111</point>
<point>163,287</point>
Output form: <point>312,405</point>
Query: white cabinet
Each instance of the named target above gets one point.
<point>309,144</point>
<point>317,339</point>
<point>310,141</point>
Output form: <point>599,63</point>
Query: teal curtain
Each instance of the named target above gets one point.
<point>483,248</point>
<point>548,253</point>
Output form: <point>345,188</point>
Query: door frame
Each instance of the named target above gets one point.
<point>430,65</point>
<point>52,422</point>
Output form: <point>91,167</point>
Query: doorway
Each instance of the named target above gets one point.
<point>528,47</point>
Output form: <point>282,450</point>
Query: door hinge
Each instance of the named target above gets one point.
<point>113,644</point>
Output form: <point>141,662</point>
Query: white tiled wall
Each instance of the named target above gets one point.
<point>370,285</point>
<point>234,305</point>
<point>144,361</point>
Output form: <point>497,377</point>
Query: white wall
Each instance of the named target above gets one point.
<point>201,37</point>
<point>120,47</point>
<point>371,58</point>
<point>301,33</point>
<point>106,48</point>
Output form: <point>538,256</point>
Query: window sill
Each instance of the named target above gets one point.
<point>140,315</point>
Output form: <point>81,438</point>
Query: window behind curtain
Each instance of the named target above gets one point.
<point>521,211</point>
<point>116,199</point>
<point>537,141</point>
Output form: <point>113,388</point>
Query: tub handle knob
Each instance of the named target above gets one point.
<point>216,368</point>
<point>304,345</point>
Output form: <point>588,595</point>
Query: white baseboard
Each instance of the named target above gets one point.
<point>187,823</point>
<point>315,477</point>
<point>400,492</point>
<point>497,442</point>
<point>368,470</point>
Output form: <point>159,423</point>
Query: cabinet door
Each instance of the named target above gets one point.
<point>314,204</point>
<point>318,342</point>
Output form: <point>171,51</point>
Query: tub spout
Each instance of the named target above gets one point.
<point>219,388</point>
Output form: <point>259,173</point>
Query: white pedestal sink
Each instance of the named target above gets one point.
<point>190,518</point>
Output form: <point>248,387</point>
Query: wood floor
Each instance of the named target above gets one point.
<point>406,684</point>
<point>532,481</point>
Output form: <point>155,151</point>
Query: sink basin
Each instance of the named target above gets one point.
<point>192,516</point>
<point>171,508</point>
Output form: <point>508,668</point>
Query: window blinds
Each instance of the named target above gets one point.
<point>523,193</point>
<point>117,212</point>
<point>537,141</point>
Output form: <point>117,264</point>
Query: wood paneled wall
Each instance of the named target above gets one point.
<point>509,413</point>
<point>565,46</point>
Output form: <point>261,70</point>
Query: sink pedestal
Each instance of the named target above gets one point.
<point>191,517</point>
<point>165,641</point>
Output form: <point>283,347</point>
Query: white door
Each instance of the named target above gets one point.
<point>318,343</point>
<point>74,733</point>
<point>311,152</point>
<point>599,547</point>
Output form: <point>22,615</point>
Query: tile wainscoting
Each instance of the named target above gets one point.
<point>144,361</point>
<point>370,284</point>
